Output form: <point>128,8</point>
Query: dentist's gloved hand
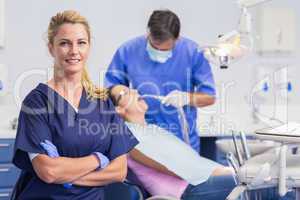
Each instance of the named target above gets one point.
<point>177,99</point>
<point>52,152</point>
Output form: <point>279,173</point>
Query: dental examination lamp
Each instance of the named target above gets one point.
<point>237,43</point>
<point>227,50</point>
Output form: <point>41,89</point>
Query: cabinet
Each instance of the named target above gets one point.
<point>276,30</point>
<point>8,172</point>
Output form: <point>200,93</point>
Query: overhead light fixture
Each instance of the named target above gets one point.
<point>234,45</point>
<point>228,49</point>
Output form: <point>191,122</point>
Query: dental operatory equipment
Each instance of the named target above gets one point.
<point>234,44</point>
<point>160,98</point>
<point>228,48</point>
<point>288,135</point>
<point>184,126</point>
<point>278,166</point>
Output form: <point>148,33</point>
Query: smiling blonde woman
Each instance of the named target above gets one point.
<point>70,141</point>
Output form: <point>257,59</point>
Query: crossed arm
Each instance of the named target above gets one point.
<point>116,171</point>
<point>79,171</point>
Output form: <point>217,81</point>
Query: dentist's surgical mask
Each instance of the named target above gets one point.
<point>158,55</point>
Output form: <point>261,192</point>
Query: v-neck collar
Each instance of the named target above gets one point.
<point>45,88</point>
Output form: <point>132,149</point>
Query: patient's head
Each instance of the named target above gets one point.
<point>130,105</point>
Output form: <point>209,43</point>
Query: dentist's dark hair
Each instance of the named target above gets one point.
<point>163,25</point>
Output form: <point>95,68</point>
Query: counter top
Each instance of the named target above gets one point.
<point>7,133</point>
<point>7,114</point>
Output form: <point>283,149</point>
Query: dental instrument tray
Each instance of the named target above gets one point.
<point>287,133</point>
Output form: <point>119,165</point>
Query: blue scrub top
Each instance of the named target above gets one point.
<point>95,128</point>
<point>187,70</point>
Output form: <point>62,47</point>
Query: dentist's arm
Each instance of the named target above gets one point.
<point>116,171</point>
<point>198,99</point>
<point>179,99</point>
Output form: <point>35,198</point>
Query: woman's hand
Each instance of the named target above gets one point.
<point>53,153</point>
<point>116,171</point>
<point>50,148</point>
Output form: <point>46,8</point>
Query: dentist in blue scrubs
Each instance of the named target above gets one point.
<point>70,142</point>
<point>166,64</point>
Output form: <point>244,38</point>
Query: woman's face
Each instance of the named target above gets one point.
<point>70,48</point>
<point>133,102</point>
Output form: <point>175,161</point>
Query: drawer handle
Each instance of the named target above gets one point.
<point>4,145</point>
<point>4,194</point>
<point>4,170</point>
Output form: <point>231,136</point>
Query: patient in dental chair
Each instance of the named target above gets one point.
<point>166,166</point>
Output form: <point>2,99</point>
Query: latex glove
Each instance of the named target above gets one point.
<point>50,148</point>
<point>177,99</point>
<point>53,153</point>
<point>103,160</point>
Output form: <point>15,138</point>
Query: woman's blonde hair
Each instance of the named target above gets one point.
<point>74,17</point>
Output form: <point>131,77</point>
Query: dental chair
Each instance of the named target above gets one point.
<point>143,194</point>
<point>131,189</point>
<point>162,198</point>
<point>255,146</point>
<point>124,191</point>
<point>278,166</point>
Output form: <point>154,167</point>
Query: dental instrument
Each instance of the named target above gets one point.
<point>160,98</point>
<point>277,166</point>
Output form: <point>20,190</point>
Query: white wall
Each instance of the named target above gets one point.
<point>115,21</point>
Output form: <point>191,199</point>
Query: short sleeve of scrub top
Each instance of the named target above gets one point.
<point>33,128</point>
<point>202,76</point>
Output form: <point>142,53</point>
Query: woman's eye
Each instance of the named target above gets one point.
<point>63,43</point>
<point>82,43</point>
